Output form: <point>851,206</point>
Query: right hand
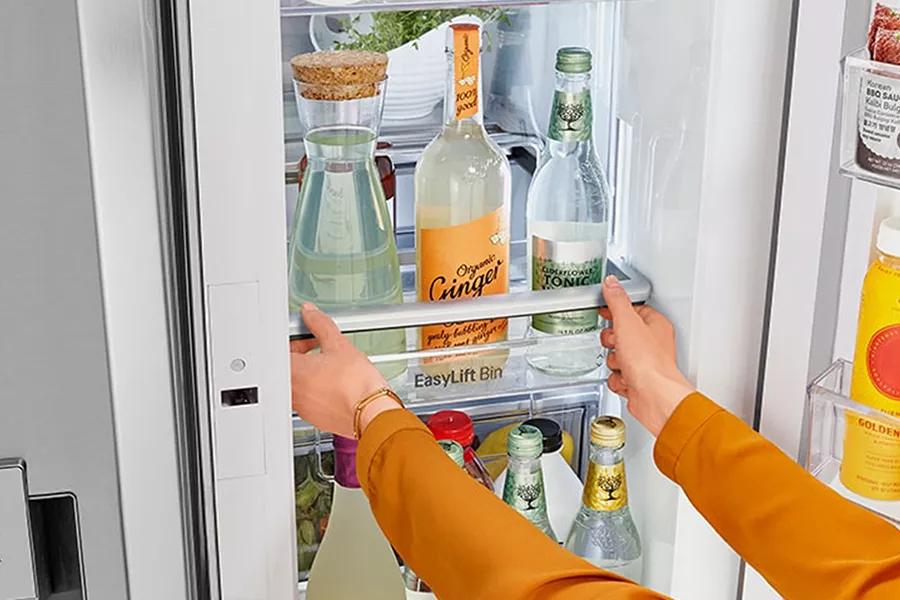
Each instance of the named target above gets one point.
<point>642,358</point>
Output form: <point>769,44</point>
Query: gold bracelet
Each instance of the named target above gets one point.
<point>362,404</point>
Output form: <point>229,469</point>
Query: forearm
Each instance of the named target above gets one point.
<point>805,539</point>
<point>456,535</point>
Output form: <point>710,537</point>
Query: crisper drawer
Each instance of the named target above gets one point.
<point>572,409</point>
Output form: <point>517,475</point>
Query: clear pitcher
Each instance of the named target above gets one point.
<point>342,250</point>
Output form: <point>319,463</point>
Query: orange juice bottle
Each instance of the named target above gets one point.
<point>871,465</point>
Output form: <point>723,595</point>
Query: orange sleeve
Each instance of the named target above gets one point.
<point>804,538</point>
<point>457,536</point>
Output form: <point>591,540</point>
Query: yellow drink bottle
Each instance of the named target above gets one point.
<point>871,464</point>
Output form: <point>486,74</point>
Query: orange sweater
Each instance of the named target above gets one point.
<point>805,539</point>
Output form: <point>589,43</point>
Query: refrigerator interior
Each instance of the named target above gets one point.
<point>650,114</point>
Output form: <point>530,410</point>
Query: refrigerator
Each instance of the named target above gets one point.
<point>148,159</point>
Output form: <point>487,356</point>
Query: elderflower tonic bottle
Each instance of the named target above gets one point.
<point>568,221</point>
<point>604,532</point>
<point>524,487</point>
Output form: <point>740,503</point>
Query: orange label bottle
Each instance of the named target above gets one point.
<point>871,463</point>
<point>462,189</point>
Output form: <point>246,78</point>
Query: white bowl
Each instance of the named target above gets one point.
<point>416,70</point>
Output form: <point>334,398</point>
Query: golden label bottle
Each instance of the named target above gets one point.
<point>871,464</point>
<point>462,188</point>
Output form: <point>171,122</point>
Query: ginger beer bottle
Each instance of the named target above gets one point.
<point>604,532</point>
<point>462,188</point>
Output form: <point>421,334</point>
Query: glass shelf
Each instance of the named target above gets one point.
<point>300,8</point>
<point>870,120</point>
<point>828,411</point>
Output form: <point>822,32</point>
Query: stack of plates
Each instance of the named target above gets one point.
<point>416,71</point>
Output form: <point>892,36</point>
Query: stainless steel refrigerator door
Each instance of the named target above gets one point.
<point>17,578</point>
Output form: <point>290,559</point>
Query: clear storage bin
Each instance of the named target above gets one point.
<point>828,411</point>
<point>870,123</point>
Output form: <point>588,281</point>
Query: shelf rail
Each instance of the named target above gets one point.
<point>519,304</point>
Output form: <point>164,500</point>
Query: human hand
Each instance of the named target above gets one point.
<point>327,385</point>
<point>641,358</point>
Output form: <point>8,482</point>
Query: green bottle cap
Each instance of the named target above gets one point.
<point>525,442</point>
<point>573,59</point>
<point>453,450</point>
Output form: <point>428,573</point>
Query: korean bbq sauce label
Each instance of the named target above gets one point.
<point>604,488</point>
<point>556,265</point>
<point>464,261</point>
<point>570,117</point>
<point>466,49</point>
<point>878,147</point>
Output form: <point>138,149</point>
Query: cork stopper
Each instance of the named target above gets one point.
<point>339,74</point>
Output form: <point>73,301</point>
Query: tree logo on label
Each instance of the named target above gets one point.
<point>570,113</point>
<point>529,493</point>
<point>610,484</point>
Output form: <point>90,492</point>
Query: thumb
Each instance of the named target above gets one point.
<point>321,326</point>
<point>618,302</point>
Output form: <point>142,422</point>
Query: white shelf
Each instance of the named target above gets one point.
<point>300,8</point>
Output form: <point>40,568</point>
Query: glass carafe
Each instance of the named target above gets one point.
<point>342,249</point>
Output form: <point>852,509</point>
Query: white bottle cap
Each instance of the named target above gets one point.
<point>889,237</point>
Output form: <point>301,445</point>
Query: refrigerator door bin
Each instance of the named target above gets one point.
<point>870,120</point>
<point>830,414</point>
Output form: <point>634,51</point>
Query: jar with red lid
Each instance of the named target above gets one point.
<point>457,426</point>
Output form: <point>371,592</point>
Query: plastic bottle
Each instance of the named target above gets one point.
<point>871,464</point>
<point>457,426</point>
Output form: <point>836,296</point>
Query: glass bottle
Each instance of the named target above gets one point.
<point>457,426</point>
<point>342,250</point>
<point>604,532</point>
<point>568,220</point>
<point>462,189</point>
<point>510,103</point>
<point>415,587</point>
<point>353,542</point>
<point>562,487</point>
<point>524,487</point>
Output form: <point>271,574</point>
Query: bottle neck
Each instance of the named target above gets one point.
<point>605,489</point>
<point>462,98</point>
<point>889,261</point>
<point>571,115</point>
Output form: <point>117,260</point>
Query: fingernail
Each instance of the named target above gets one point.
<point>613,281</point>
<point>310,306</point>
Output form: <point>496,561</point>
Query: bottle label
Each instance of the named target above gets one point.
<point>871,462</point>
<point>879,123</point>
<point>605,488</point>
<point>876,377</point>
<point>466,49</point>
<point>524,491</point>
<point>570,116</point>
<point>464,261</point>
<point>557,265</point>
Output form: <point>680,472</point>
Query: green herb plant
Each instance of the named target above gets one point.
<point>393,29</point>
